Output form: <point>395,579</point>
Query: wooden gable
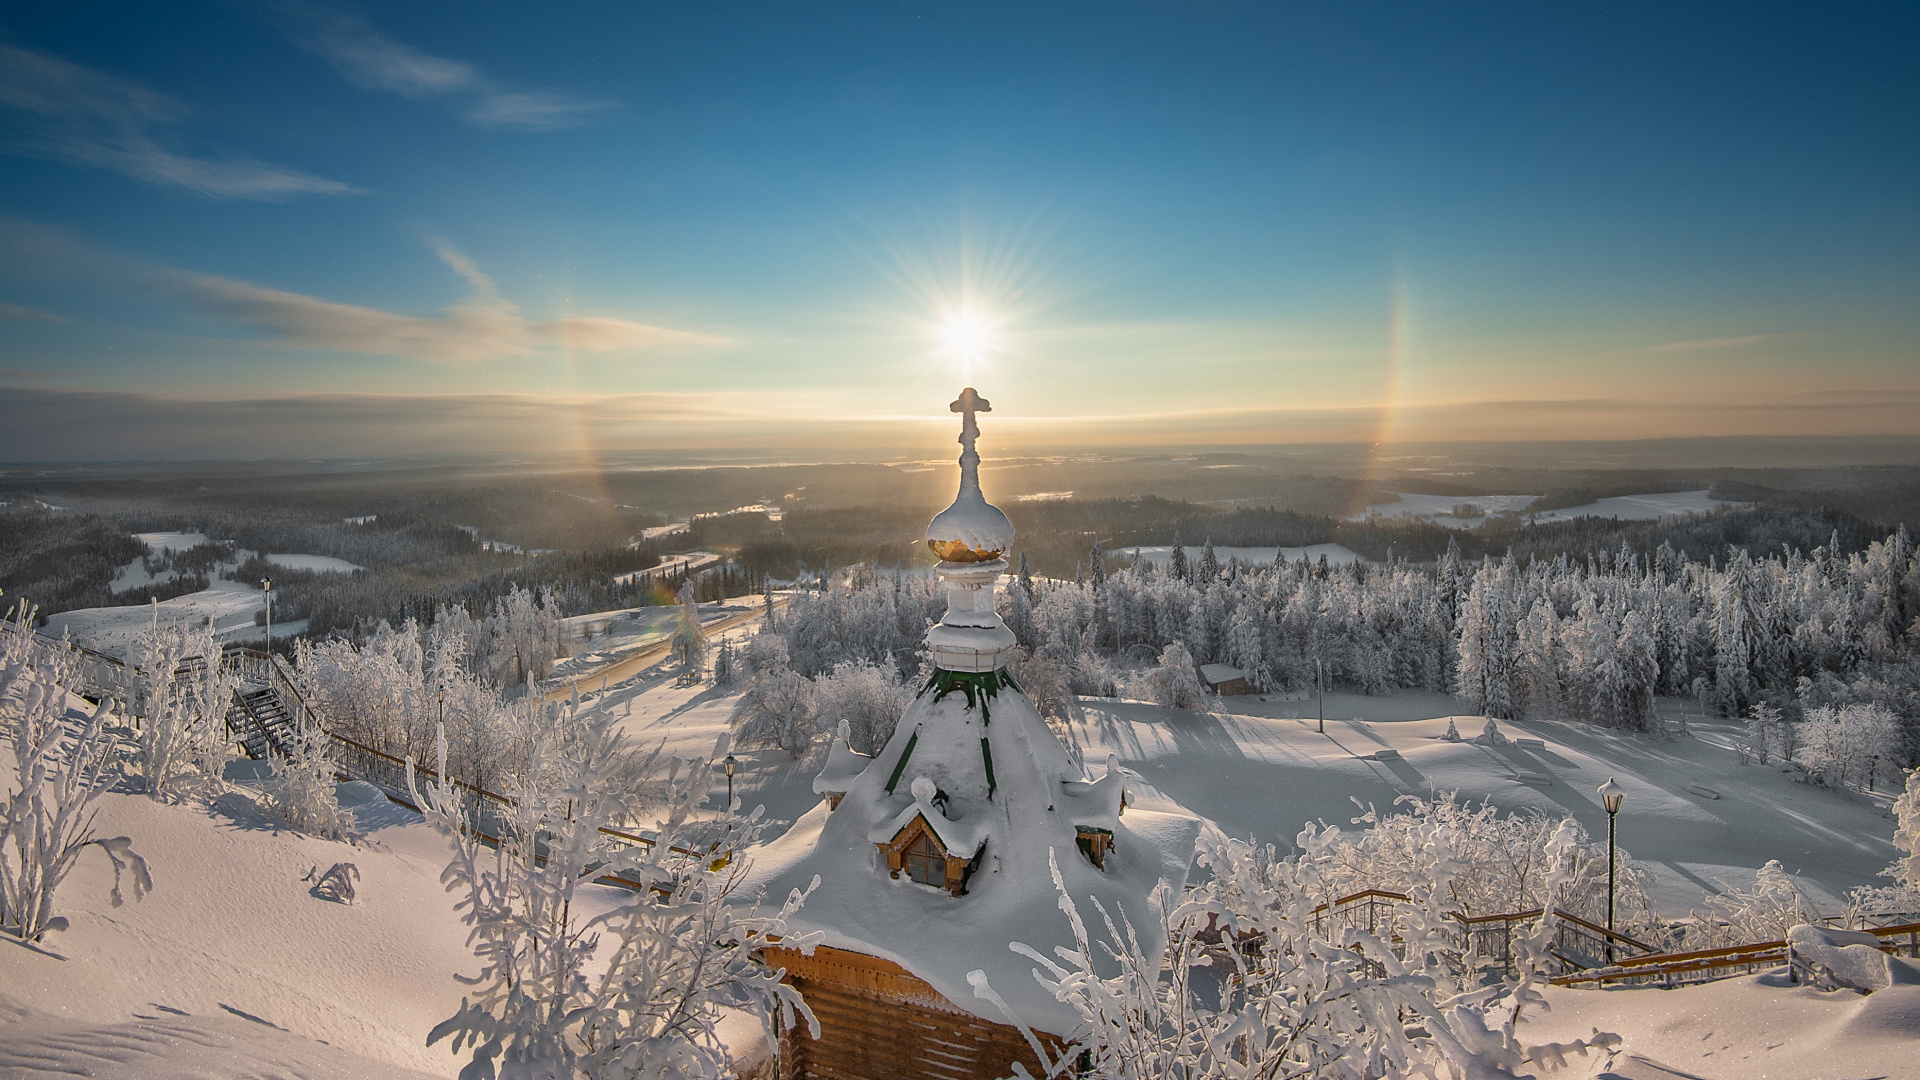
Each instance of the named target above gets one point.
<point>915,842</point>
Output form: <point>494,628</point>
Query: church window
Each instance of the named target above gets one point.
<point>926,863</point>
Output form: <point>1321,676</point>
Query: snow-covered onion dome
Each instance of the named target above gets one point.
<point>972,530</point>
<point>970,536</point>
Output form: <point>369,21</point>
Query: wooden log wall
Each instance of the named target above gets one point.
<point>879,1022</point>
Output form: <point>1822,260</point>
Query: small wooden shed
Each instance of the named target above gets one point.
<point>1225,679</point>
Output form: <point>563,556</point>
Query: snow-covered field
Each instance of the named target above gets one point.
<point>324,564</point>
<point>159,542</point>
<point>1440,508</point>
<point>1162,555</point>
<point>230,604</point>
<point>1640,507</point>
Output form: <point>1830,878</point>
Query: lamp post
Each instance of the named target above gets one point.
<point>1611,796</point>
<point>266,590</point>
<point>731,764</point>
<point>441,693</point>
<point>1320,681</point>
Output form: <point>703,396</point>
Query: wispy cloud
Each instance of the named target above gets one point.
<point>1710,343</point>
<point>65,112</point>
<point>369,59</point>
<point>16,313</point>
<point>482,326</point>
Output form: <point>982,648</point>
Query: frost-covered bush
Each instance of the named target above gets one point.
<point>302,789</point>
<point>1248,987</point>
<point>61,765</point>
<point>185,692</point>
<point>1903,897</point>
<point>636,992</point>
<point>776,708</point>
<point>1046,682</point>
<point>394,689</point>
<point>1494,863</point>
<point>1775,905</point>
<point>1174,682</point>
<point>867,696</point>
<point>1852,746</point>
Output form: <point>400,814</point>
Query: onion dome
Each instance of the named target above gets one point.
<point>972,530</point>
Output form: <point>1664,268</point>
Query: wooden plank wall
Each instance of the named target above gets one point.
<point>879,1022</point>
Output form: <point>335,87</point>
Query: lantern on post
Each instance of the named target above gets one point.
<point>731,764</point>
<point>266,590</point>
<point>1611,796</point>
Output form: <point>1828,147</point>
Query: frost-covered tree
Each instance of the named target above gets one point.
<point>868,697</point>
<point>1766,912</point>
<point>1253,984</point>
<point>185,691</point>
<point>1046,682</point>
<point>689,640</point>
<point>301,788</point>
<point>637,992</point>
<point>776,708</point>
<point>1851,745</point>
<point>62,764</point>
<point>1174,682</point>
<point>522,636</point>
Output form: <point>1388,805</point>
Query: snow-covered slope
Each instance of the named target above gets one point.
<point>232,962</point>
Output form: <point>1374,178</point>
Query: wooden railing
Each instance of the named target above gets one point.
<point>1671,969</point>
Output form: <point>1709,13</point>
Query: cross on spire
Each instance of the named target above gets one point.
<point>969,403</point>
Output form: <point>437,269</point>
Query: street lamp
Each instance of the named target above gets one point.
<point>441,692</point>
<point>1320,680</point>
<point>731,764</point>
<point>1611,796</point>
<point>266,590</point>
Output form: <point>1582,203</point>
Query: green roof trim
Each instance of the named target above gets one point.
<point>986,755</point>
<point>902,763</point>
<point>979,686</point>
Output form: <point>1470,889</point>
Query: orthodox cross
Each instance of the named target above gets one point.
<point>969,403</point>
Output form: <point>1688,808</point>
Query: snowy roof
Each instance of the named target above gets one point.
<point>1015,810</point>
<point>1215,674</point>
<point>844,764</point>
<point>962,839</point>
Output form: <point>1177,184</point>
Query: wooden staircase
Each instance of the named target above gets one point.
<point>260,721</point>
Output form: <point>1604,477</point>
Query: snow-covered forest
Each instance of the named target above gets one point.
<point>1816,647</point>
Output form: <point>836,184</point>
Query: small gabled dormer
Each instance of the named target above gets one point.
<point>928,847</point>
<point>844,766</point>
<point>1096,806</point>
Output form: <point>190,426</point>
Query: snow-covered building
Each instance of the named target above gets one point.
<point>936,853</point>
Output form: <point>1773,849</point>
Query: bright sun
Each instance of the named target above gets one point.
<point>966,334</point>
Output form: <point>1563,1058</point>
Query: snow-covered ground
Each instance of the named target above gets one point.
<point>673,564</point>
<point>1263,770</point>
<point>232,968</point>
<point>161,542</point>
<point>323,564</point>
<point>1440,508</point>
<point>1159,556</point>
<point>230,604</point>
<point>1640,507</point>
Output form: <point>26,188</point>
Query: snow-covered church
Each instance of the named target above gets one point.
<point>934,854</point>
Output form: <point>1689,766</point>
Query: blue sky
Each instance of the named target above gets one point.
<point>640,224</point>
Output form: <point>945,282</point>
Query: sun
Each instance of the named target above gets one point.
<point>968,337</point>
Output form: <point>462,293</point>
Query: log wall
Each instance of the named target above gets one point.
<point>879,1022</point>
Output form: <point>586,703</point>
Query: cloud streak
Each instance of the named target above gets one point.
<point>1710,343</point>
<point>482,326</point>
<point>64,112</point>
<point>372,61</point>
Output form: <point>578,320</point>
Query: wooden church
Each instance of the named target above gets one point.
<point>937,852</point>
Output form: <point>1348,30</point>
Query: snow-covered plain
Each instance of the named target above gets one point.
<point>1336,554</point>
<point>113,630</point>
<point>324,564</point>
<point>1440,508</point>
<point>1640,507</point>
